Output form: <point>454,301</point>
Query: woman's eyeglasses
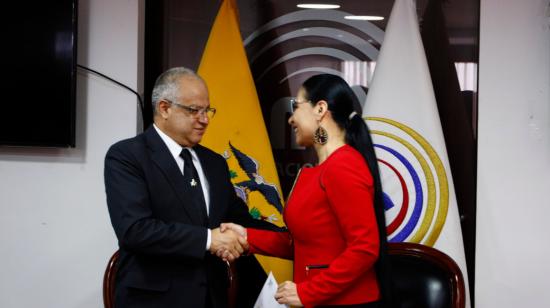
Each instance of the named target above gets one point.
<point>294,103</point>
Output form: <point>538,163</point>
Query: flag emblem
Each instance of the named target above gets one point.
<point>253,183</point>
<point>416,190</point>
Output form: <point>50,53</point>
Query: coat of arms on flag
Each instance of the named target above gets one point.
<point>253,181</point>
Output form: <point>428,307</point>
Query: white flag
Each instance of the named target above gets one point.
<point>402,115</point>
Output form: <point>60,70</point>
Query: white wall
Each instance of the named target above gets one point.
<point>54,226</point>
<point>513,237</point>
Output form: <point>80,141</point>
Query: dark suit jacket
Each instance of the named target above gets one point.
<point>161,235</point>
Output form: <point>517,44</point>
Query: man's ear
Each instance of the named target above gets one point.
<point>162,108</point>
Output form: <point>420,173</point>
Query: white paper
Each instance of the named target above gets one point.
<point>266,299</point>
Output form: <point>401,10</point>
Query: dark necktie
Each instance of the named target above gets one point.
<point>191,178</point>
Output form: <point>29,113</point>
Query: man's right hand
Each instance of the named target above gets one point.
<point>229,241</point>
<point>240,230</point>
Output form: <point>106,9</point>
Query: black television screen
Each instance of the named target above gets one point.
<point>39,73</point>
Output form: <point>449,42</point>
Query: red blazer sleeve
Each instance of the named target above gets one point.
<point>350,191</point>
<point>270,243</point>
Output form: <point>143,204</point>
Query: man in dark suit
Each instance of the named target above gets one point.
<point>167,196</point>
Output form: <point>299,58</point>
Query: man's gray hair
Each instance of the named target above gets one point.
<point>167,85</point>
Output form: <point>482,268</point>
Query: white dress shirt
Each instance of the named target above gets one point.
<point>175,149</point>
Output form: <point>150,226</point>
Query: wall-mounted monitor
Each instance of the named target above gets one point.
<point>38,67</point>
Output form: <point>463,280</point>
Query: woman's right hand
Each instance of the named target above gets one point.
<point>235,227</point>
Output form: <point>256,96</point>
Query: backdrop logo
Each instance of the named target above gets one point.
<point>416,191</point>
<point>364,42</point>
<point>283,52</point>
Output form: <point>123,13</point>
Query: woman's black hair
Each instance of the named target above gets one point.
<point>341,102</point>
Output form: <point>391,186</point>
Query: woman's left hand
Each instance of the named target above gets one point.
<point>287,294</point>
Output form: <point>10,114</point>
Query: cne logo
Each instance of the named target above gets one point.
<point>414,181</point>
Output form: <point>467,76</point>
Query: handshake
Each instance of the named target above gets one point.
<point>229,241</point>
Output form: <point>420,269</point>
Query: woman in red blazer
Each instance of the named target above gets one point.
<point>334,214</point>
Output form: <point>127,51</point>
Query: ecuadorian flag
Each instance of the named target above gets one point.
<point>238,131</point>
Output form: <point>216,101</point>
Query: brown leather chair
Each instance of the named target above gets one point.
<point>110,274</point>
<point>109,282</point>
<point>424,277</point>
